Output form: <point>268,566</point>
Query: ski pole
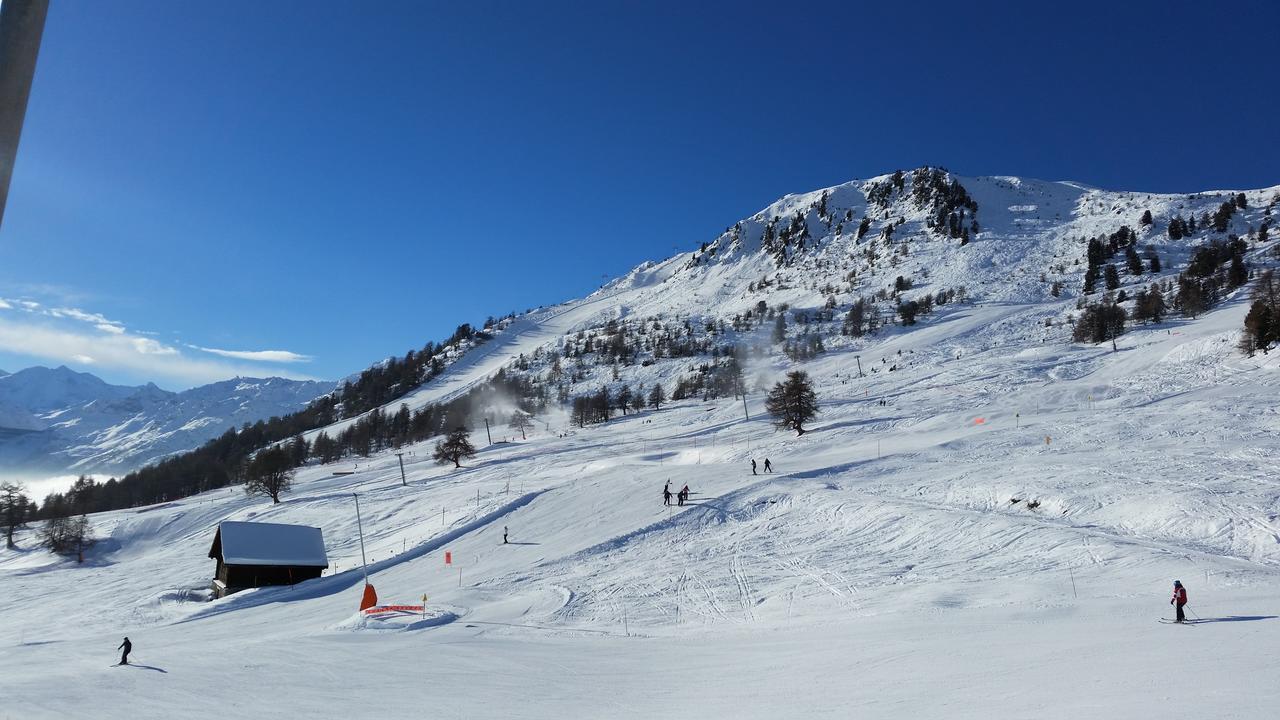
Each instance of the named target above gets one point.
<point>1193,612</point>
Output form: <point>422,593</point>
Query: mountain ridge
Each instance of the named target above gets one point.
<point>57,420</point>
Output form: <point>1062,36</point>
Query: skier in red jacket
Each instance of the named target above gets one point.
<point>1179,599</point>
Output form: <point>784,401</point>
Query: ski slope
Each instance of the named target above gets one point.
<point>881,572</point>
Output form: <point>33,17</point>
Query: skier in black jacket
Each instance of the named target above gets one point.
<point>126,646</point>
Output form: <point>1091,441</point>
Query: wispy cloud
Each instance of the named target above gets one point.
<point>271,356</point>
<point>79,337</point>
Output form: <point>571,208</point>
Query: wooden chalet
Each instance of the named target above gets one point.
<point>252,554</point>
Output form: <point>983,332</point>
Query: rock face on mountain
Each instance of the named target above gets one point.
<point>61,421</point>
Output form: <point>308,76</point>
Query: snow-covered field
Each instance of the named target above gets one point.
<point>881,572</point>
<point>996,540</point>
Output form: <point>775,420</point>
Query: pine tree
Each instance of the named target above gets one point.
<point>299,451</point>
<point>780,328</point>
<point>1262,323</point>
<point>623,398</point>
<point>657,396</point>
<point>793,402</point>
<point>1132,260</point>
<point>1100,322</point>
<point>456,446</point>
<point>1259,328</point>
<point>326,448</point>
<point>1112,277</point>
<point>1237,274</point>
<point>1190,298</point>
<point>1146,217</point>
<point>1091,279</point>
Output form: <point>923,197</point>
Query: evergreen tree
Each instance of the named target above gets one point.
<point>326,448</point>
<point>1100,322</point>
<point>299,451</point>
<point>793,402</point>
<point>1091,279</point>
<point>657,396</point>
<point>1149,306</point>
<point>1146,217</point>
<point>1132,260</point>
<point>907,311</point>
<point>623,398</point>
<point>780,328</point>
<point>1237,274</point>
<point>1112,277</point>
<point>456,446</point>
<point>1190,299</point>
<point>1262,323</point>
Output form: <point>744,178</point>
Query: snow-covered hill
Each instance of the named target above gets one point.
<point>983,522</point>
<point>58,421</point>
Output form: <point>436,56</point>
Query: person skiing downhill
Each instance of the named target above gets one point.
<point>768,466</point>
<point>504,534</point>
<point>666,494</point>
<point>126,646</point>
<point>753,466</point>
<point>1179,599</point>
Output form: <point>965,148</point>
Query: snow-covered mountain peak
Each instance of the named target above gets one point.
<point>58,421</point>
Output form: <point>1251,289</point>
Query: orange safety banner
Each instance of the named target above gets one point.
<point>393,608</point>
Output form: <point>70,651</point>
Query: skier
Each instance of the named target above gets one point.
<point>1179,599</point>
<point>504,534</point>
<point>753,466</point>
<point>768,466</point>
<point>127,646</point>
<point>683,495</point>
<point>666,494</point>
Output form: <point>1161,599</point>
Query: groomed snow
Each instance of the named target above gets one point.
<point>997,540</point>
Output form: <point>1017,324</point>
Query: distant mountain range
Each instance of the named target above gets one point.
<point>59,421</point>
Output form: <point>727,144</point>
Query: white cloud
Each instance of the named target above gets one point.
<point>4,305</point>
<point>147,346</point>
<point>274,356</point>
<point>40,335</point>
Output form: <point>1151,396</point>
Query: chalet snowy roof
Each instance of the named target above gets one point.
<point>253,543</point>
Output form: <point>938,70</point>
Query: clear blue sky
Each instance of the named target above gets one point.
<point>341,181</point>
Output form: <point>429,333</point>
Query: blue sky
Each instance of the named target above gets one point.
<point>302,188</point>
